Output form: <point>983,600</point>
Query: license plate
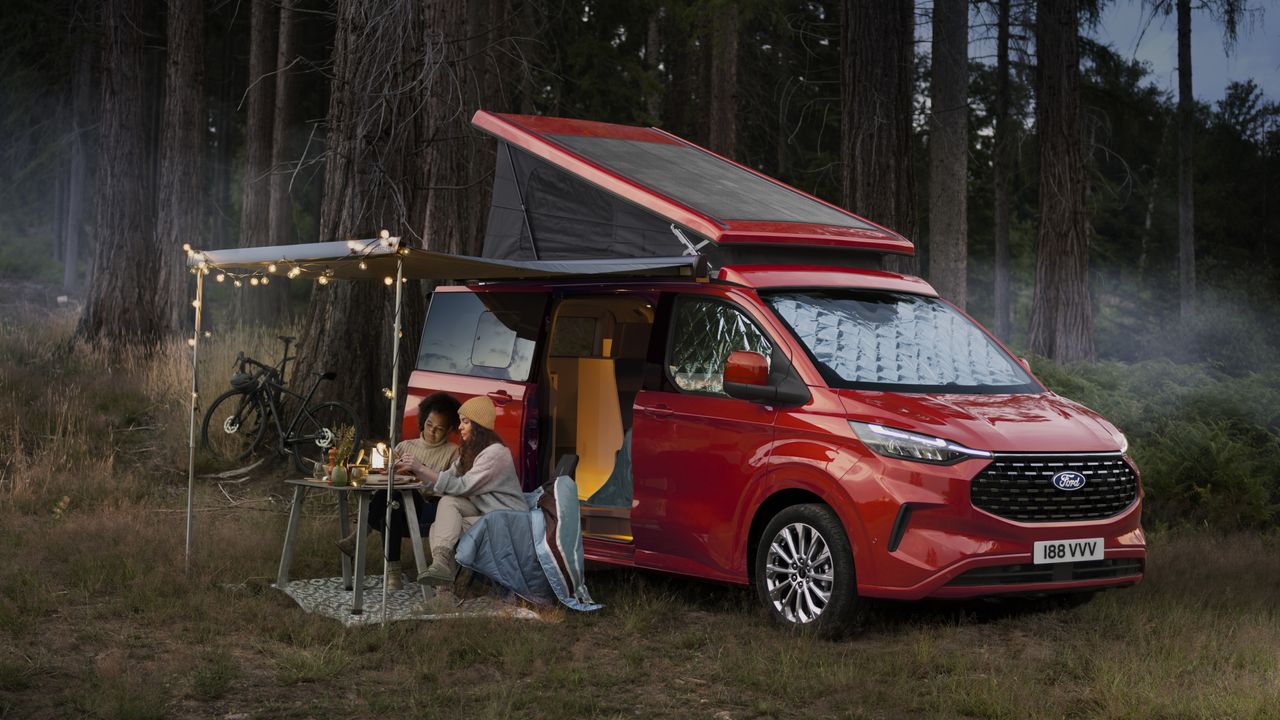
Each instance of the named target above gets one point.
<point>1056,551</point>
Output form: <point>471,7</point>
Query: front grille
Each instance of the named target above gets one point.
<point>1021,488</point>
<point>1055,572</point>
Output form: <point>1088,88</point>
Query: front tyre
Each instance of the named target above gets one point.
<point>804,571</point>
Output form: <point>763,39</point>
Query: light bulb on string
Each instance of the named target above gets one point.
<point>271,268</point>
<point>239,284</point>
<point>294,272</point>
<point>266,280</point>
<point>322,280</point>
<point>388,281</point>
<point>220,277</point>
<point>254,281</point>
<point>186,247</point>
<point>364,265</point>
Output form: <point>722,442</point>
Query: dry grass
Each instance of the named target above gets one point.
<point>98,619</point>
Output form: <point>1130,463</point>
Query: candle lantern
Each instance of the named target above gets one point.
<point>378,460</point>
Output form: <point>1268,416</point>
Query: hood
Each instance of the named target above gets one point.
<point>1042,422</point>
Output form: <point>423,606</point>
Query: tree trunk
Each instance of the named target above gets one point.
<point>724,81</point>
<point>1002,168</point>
<point>652,51</point>
<point>1186,189</point>
<point>120,306</point>
<point>949,151</point>
<point>1061,313</point>
<point>260,304</point>
<point>385,62</point>
<point>876,69</point>
<point>82,106</point>
<point>180,201</point>
<point>280,209</point>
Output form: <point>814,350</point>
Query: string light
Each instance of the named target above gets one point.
<point>208,334</point>
<point>254,281</point>
<point>239,284</point>
<point>384,234</point>
<point>388,280</point>
<point>271,268</point>
<point>294,272</point>
<point>220,277</point>
<point>186,247</point>
<point>364,265</point>
<point>387,393</point>
<point>191,342</point>
<point>322,280</point>
<point>195,304</point>
<point>266,281</point>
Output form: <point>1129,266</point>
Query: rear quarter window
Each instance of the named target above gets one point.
<point>482,334</point>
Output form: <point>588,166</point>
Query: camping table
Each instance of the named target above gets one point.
<point>363,495</point>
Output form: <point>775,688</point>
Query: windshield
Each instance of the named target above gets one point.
<point>899,342</point>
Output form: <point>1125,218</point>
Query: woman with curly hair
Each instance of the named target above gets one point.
<point>481,480</point>
<point>437,418</point>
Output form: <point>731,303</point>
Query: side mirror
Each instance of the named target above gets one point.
<point>746,377</point>
<point>1025,365</point>
<point>744,367</point>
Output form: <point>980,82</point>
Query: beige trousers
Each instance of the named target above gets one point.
<point>453,516</point>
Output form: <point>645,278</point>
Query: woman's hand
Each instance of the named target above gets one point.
<point>411,465</point>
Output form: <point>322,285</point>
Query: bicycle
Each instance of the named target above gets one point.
<point>237,420</point>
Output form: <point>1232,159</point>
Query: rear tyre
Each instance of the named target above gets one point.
<point>317,431</point>
<point>804,571</point>
<point>233,427</point>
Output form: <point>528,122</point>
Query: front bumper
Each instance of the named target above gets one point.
<point>945,547</point>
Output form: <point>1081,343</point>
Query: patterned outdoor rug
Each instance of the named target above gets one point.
<point>325,596</point>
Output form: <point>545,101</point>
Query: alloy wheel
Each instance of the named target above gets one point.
<point>799,573</point>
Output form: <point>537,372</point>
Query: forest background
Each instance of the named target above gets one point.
<point>131,127</point>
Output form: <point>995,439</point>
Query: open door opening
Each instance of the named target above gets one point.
<point>595,368</point>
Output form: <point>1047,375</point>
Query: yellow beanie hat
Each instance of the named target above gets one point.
<point>479,410</point>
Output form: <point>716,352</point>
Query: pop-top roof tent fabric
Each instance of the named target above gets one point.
<point>581,189</point>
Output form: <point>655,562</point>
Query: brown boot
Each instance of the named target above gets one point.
<point>393,579</point>
<point>442,570</point>
<point>348,544</point>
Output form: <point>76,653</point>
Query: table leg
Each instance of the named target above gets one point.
<point>290,535</point>
<point>415,534</point>
<point>343,527</point>
<point>362,535</point>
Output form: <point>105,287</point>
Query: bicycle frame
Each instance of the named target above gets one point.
<point>271,392</point>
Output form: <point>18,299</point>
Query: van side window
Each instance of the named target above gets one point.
<point>705,332</point>
<point>482,334</point>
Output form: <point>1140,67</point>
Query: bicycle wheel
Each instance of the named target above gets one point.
<point>233,426</point>
<point>317,431</point>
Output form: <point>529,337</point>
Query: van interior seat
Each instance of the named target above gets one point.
<point>599,424</point>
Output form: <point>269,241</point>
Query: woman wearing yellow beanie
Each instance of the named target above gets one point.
<point>481,480</point>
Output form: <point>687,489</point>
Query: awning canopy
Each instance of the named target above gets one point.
<point>577,189</point>
<point>376,259</point>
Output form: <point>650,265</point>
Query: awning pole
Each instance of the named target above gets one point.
<point>195,394</point>
<point>391,434</point>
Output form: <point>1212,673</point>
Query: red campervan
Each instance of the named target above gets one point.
<point>771,408</point>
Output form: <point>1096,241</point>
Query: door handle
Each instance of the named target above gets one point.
<point>658,411</point>
<point>500,397</point>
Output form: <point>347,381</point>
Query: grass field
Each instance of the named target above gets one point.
<point>98,618</point>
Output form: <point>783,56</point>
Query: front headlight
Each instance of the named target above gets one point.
<point>904,445</point>
<point>1124,444</point>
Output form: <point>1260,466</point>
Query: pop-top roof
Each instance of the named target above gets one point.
<point>675,181</point>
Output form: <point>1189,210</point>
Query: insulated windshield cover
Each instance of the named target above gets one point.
<point>897,341</point>
<point>704,182</point>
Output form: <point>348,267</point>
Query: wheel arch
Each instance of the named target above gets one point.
<point>788,496</point>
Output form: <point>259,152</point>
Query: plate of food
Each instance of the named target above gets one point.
<point>381,479</point>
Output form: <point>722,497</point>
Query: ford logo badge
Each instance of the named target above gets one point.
<point>1069,480</point>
